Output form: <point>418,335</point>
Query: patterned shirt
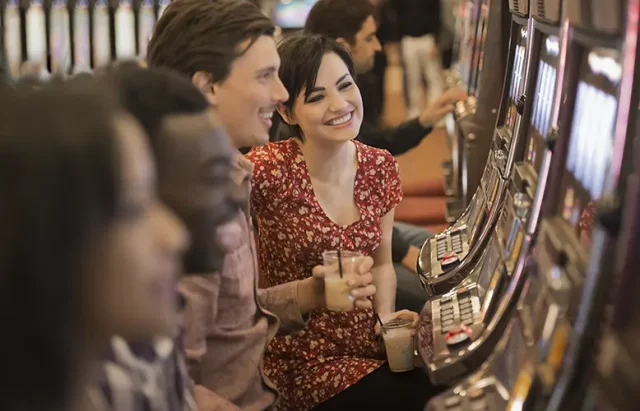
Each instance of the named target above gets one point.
<point>144,377</point>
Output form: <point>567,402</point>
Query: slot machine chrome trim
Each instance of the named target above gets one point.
<point>438,284</point>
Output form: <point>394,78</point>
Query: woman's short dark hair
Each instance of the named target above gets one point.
<point>301,56</point>
<point>206,35</point>
<point>339,18</point>
<point>59,190</point>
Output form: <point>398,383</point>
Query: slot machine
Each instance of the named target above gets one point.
<point>532,363</point>
<point>444,259</point>
<point>474,119</point>
<point>146,22</point>
<point>566,255</point>
<point>12,36</point>
<point>610,380</point>
<point>59,37</point>
<point>100,34</point>
<point>450,249</point>
<point>460,329</point>
<point>36,39</point>
<point>604,293</point>
<point>125,30</point>
<point>81,37</point>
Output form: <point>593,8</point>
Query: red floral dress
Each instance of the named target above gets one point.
<point>337,348</point>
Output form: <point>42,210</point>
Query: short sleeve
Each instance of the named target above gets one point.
<point>390,177</point>
<point>267,175</point>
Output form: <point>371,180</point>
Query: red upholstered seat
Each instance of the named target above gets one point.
<point>423,188</point>
<point>422,210</point>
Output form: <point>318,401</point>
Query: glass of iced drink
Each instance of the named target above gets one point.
<point>398,343</point>
<point>337,291</point>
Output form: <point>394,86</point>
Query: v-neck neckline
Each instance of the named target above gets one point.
<point>307,177</point>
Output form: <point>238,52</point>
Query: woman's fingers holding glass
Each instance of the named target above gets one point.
<point>406,315</point>
<point>320,271</point>
<point>365,264</point>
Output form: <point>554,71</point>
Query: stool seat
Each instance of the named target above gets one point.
<point>424,188</point>
<point>422,210</point>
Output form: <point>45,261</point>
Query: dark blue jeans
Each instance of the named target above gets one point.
<point>410,295</point>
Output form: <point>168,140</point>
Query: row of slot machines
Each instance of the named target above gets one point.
<point>534,287</point>
<point>63,37</point>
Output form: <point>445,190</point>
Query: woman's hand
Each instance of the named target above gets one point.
<point>404,315</point>
<point>361,285</point>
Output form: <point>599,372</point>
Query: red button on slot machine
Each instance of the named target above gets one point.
<point>458,335</point>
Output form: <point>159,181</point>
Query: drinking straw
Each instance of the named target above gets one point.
<point>340,262</point>
<point>380,321</point>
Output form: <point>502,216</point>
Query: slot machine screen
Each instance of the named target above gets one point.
<point>515,87</point>
<point>591,135</point>
<point>478,54</point>
<point>292,14</point>
<point>467,43</point>
<point>543,99</point>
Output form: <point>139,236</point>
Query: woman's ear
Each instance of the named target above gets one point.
<point>204,83</point>
<point>286,115</point>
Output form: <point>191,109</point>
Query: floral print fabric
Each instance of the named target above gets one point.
<point>336,349</point>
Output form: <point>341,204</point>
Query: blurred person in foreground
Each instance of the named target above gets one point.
<point>87,251</point>
<point>193,158</point>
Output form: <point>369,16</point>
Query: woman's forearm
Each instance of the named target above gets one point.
<point>384,278</point>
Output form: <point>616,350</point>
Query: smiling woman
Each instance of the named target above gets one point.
<point>319,191</point>
<point>319,98</point>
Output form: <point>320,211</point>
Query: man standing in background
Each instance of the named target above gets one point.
<point>419,23</point>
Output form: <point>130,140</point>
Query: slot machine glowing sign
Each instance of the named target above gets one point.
<point>60,38</point>
<point>125,30</point>
<point>81,38</point>
<point>12,37</point>
<point>36,35</point>
<point>146,21</point>
<point>101,34</point>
